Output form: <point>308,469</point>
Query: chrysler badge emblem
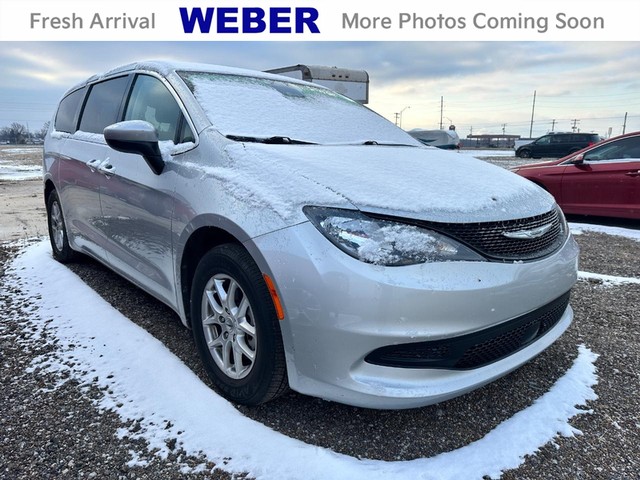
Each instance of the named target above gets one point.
<point>529,234</point>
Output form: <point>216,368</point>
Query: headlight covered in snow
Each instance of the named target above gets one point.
<point>385,242</point>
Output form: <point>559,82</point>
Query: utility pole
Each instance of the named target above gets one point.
<point>574,127</point>
<point>441,108</point>
<point>533,108</point>
<point>398,116</point>
<point>504,126</point>
<point>624,125</point>
<point>553,124</point>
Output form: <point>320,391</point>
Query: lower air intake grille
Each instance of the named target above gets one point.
<point>475,349</point>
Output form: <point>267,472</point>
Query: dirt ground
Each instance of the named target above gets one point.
<point>22,211</point>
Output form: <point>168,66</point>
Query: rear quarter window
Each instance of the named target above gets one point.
<point>103,106</point>
<point>67,114</point>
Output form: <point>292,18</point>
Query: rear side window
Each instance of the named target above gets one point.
<point>103,105</point>
<point>584,138</point>
<point>66,117</point>
<point>624,149</point>
<point>152,102</point>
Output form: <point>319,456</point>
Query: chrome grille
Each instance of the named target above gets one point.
<point>488,237</point>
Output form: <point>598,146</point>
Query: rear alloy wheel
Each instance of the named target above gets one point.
<point>235,327</point>
<point>58,231</point>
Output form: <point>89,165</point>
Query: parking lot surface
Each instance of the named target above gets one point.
<point>53,429</point>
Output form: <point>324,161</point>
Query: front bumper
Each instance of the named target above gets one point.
<point>339,310</point>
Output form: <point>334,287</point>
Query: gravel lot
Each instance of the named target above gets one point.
<point>57,432</point>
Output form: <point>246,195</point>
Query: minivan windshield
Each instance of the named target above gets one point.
<point>245,108</point>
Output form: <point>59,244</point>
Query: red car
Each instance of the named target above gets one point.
<point>602,179</point>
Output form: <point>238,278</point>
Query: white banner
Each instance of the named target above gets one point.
<point>289,20</point>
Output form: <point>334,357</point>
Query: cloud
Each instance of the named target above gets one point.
<point>484,84</point>
<point>31,66</point>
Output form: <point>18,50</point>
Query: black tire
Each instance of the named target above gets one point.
<point>524,153</point>
<point>62,252</point>
<point>224,340</point>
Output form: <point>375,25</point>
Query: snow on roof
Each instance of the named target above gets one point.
<point>164,68</point>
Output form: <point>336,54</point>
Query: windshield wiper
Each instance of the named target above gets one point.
<point>286,140</point>
<point>383,144</point>
<point>276,140</point>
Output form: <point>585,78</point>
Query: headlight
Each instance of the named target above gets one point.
<point>564,226</point>
<point>385,242</point>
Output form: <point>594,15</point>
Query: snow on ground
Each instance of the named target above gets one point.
<point>141,378</point>
<point>20,150</point>
<point>608,280</point>
<point>580,228</point>
<point>488,153</point>
<point>11,171</point>
<point>20,163</point>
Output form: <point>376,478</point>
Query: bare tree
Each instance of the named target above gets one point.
<point>5,135</point>
<point>18,133</point>
<point>43,131</point>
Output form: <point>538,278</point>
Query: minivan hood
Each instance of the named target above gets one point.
<point>413,182</point>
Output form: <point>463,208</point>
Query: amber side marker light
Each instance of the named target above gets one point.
<point>274,296</point>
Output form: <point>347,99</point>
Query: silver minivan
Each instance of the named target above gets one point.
<point>308,242</point>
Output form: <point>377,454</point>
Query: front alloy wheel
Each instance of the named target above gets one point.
<point>229,326</point>
<point>235,327</point>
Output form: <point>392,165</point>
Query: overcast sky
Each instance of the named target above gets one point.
<point>486,86</point>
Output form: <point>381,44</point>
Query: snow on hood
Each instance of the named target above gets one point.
<point>413,182</point>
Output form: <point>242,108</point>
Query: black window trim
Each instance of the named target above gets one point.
<point>125,101</point>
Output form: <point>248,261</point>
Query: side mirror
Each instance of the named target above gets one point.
<point>136,136</point>
<point>578,159</point>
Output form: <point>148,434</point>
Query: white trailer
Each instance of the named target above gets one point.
<point>351,83</point>
<point>445,139</point>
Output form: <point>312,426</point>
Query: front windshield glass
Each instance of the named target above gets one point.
<point>256,107</point>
